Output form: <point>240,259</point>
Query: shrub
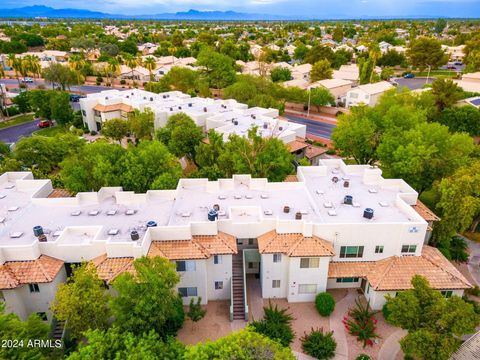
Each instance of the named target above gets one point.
<point>363,357</point>
<point>195,312</point>
<point>99,79</point>
<point>93,132</point>
<point>325,303</point>
<point>475,291</point>
<point>12,110</point>
<point>123,82</point>
<point>385,312</point>
<point>361,323</point>
<point>318,344</point>
<point>276,325</point>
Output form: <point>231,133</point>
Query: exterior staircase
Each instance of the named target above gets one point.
<point>238,285</point>
<point>58,329</point>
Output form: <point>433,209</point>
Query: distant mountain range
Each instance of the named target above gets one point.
<point>48,12</point>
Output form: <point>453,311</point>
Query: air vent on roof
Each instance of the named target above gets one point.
<point>171,109</point>
<point>265,125</point>
<point>130,212</point>
<point>267,212</point>
<point>237,197</point>
<point>151,223</point>
<point>164,96</point>
<point>280,128</point>
<point>372,191</point>
<point>106,97</point>
<point>186,214</point>
<point>413,229</point>
<point>264,196</point>
<point>16,235</point>
<point>204,109</point>
<point>320,192</point>
<point>189,104</point>
<point>93,213</point>
<point>2,220</point>
<point>111,212</point>
<point>335,179</point>
<point>253,116</point>
<point>248,196</point>
<point>151,99</point>
<point>222,197</point>
<point>346,183</point>
<point>368,213</point>
<point>179,108</point>
<point>144,98</point>
<point>332,213</point>
<point>348,200</point>
<point>127,97</point>
<point>212,215</point>
<point>235,122</point>
<point>298,215</point>
<point>327,205</point>
<point>286,209</point>
<point>3,196</point>
<point>75,213</point>
<point>134,235</point>
<point>216,207</point>
<point>383,204</point>
<point>113,232</point>
<point>132,93</point>
<point>12,208</point>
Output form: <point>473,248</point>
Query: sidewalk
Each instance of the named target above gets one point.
<point>313,116</point>
<point>391,347</point>
<point>337,327</point>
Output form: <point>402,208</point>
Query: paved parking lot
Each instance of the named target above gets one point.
<point>413,84</point>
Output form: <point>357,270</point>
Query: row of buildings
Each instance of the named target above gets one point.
<point>337,226</point>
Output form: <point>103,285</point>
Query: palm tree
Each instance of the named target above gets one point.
<point>112,69</point>
<point>31,64</point>
<point>76,63</point>
<point>150,65</point>
<point>14,63</point>
<point>132,62</point>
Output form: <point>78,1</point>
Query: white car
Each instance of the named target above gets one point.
<point>27,80</point>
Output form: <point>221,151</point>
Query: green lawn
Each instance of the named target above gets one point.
<point>437,73</point>
<point>16,121</point>
<point>51,131</point>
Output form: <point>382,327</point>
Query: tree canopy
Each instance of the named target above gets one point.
<point>425,51</point>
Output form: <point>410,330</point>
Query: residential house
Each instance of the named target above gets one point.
<point>367,94</point>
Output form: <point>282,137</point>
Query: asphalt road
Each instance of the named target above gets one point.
<point>314,127</point>
<point>87,89</point>
<point>13,133</point>
<point>413,84</point>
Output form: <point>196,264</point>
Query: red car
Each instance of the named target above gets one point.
<point>45,124</point>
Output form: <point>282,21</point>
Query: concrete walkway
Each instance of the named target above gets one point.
<point>391,346</point>
<point>336,325</point>
<point>474,259</point>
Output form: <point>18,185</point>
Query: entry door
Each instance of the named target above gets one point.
<point>363,285</point>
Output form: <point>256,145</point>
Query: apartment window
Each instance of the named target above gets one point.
<point>34,288</point>
<point>188,265</point>
<point>217,259</point>
<point>218,285</point>
<point>306,263</point>
<point>250,241</point>
<point>307,288</point>
<point>187,291</point>
<point>447,293</point>
<point>251,265</point>
<point>379,249</point>
<point>347,280</point>
<point>42,315</point>
<point>275,284</point>
<point>351,251</point>
<point>277,258</point>
<point>84,113</point>
<point>408,249</point>
<point>353,95</point>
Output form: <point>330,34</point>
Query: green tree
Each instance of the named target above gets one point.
<point>392,58</point>
<point>276,325</point>
<point>338,33</point>
<point>186,80</point>
<point>82,301</point>
<point>34,328</point>
<point>95,166</point>
<point>280,74</point>
<point>319,344</point>
<point>425,51</point>
<point>148,300</point>
<point>218,68</point>
<point>423,154</point>
<point>321,70</point>
<point>115,129</point>
<point>149,166</point>
<point>365,70</point>
<point>300,52</point>
<point>117,344</point>
<point>195,311</point>
<point>446,93</point>
<point>461,119</point>
<point>320,96</point>
<point>40,103</point>
<point>433,322</point>
<point>141,124</point>
<point>440,24</point>
<point>60,75</point>
<point>181,135</point>
<point>341,57</point>
<point>325,303</point>
<point>22,102</point>
<point>319,52</point>
<point>60,107</point>
<point>472,61</point>
<point>244,344</point>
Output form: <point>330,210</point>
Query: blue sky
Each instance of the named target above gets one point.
<point>310,8</point>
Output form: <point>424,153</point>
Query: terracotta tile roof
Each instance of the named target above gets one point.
<point>60,193</point>
<point>199,247</point>
<point>291,178</point>
<point>109,268</point>
<point>293,245</point>
<point>113,107</point>
<point>425,212</point>
<point>396,272</point>
<point>314,151</point>
<point>296,145</point>
<point>16,273</point>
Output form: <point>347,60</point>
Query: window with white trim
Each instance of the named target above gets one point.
<point>218,285</point>
<point>347,280</point>
<point>277,258</point>
<point>217,259</point>
<point>187,291</point>
<point>351,251</point>
<point>446,293</point>
<point>187,265</point>
<point>34,288</point>
<point>307,263</point>
<point>307,288</point>
<point>409,249</point>
<point>275,284</point>
<point>379,249</point>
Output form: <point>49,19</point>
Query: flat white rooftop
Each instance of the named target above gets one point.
<point>111,214</point>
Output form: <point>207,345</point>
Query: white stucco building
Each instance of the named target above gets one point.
<point>337,226</point>
<point>225,116</point>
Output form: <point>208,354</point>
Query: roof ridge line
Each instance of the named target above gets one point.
<point>224,242</point>
<point>393,258</point>
<point>446,270</point>
<point>295,245</point>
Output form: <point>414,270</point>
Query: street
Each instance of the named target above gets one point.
<point>13,133</point>
<point>314,127</point>
<point>87,89</point>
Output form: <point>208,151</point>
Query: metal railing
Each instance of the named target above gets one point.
<point>244,286</point>
<point>231,298</point>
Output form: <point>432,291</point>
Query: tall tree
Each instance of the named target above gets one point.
<point>461,119</point>
<point>218,68</point>
<point>425,51</point>
<point>446,93</point>
<point>82,301</point>
<point>150,65</point>
<point>319,52</point>
<point>148,300</point>
<point>62,112</point>
<point>321,70</point>
<point>141,124</point>
<point>433,322</point>
<point>321,96</point>
<point>115,129</point>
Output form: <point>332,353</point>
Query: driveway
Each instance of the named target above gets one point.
<point>413,84</point>
<point>13,133</point>
<point>474,259</point>
<point>314,127</point>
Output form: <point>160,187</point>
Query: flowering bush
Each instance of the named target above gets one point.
<point>360,322</point>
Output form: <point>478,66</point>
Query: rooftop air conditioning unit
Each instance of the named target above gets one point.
<point>151,223</point>
<point>151,99</point>
<point>212,215</point>
<point>335,179</point>
<point>130,212</point>
<point>348,200</point>
<point>134,235</point>
<point>280,128</point>
<point>298,215</point>
<point>286,209</point>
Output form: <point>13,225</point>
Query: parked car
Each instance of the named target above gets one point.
<point>27,80</point>
<point>451,67</point>
<point>458,63</point>
<point>45,124</point>
<point>408,76</point>
<point>75,98</point>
